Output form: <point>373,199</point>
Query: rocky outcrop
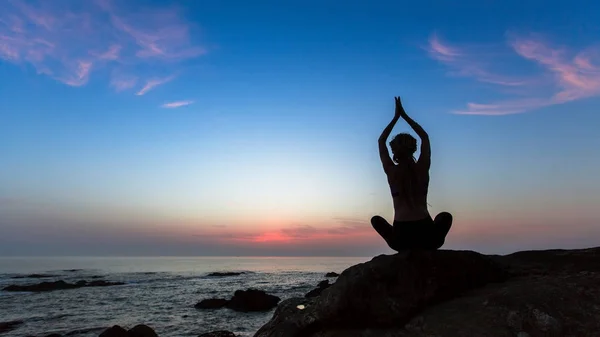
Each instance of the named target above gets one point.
<point>228,273</point>
<point>60,285</point>
<point>453,293</point>
<point>332,274</point>
<point>242,300</point>
<point>140,330</point>
<point>317,291</point>
<point>9,326</point>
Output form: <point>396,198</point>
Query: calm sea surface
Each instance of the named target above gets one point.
<point>159,291</point>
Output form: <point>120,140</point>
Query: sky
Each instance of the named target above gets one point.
<point>250,127</point>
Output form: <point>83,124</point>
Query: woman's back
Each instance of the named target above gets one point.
<point>409,185</point>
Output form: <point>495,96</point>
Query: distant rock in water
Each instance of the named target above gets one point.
<point>137,331</point>
<point>34,276</point>
<point>218,334</point>
<point>211,303</point>
<point>9,326</point>
<point>317,291</point>
<point>60,285</point>
<point>332,274</point>
<point>229,273</point>
<point>453,293</point>
<point>252,300</point>
<point>242,300</point>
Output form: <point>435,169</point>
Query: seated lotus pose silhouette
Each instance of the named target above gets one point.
<point>413,227</point>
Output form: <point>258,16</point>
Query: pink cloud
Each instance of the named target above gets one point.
<point>574,75</point>
<point>71,41</point>
<point>153,83</point>
<point>111,54</point>
<point>465,64</point>
<point>177,104</point>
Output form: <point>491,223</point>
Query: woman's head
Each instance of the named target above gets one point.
<point>403,147</point>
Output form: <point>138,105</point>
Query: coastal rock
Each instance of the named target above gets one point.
<point>229,273</point>
<point>453,293</point>
<point>211,303</point>
<point>252,300</point>
<point>332,274</point>
<point>59,285</point>
<point>385,292</point>
<point>221,333</point>
<point>141,330</point>
<point>317,291</point>
<point>34,276</point>
<point>9,326</point>
<point>115,331</point>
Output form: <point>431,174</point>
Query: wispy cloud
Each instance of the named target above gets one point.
<point>70,40</point>
<point>153,83</point>
<point>177,104</point>
<point>573,74</point>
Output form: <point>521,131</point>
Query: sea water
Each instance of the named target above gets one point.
<point>159,291</point>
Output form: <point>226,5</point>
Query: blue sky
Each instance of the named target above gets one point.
<point>188,127</point>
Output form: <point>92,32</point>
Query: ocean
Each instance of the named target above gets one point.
<point>159,291</point>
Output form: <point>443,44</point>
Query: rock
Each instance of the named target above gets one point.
<point>332,274</point>
<point>221,333</point>
<point>229,273</point>
<point>115,331</point>
<point>59,285</point>
<point>320,287</point>
<point>252,300</point>
<point>385,292</point>
<point>142,330</point>
<point>211,303</point>
<point>34,276</point>
<point>453,293</point>
<point>9,326</point>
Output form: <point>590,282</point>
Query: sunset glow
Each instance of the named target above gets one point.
<point>170,127</point>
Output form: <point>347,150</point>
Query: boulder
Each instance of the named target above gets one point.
<point>384,293</point>
<point>317,291</point>
<point>114,331</point>
<point>211,303</point>
<point>9,326</point>
<point>221,333</point>
<point>252,300</point>
<point>332,274</point>
<point>453,293</point>
<point>141,330</point>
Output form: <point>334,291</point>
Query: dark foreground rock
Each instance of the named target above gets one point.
<point>317,291</point>
<point>222,274</point>
<point>218,334</point>
<point>453,293</point>
<point>137,331</point>
<point>332,274</point>
<point>9,326</point>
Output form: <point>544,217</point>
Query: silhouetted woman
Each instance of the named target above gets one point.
<point>408,178</point>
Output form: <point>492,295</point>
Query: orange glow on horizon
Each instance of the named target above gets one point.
<point>272,237</point>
